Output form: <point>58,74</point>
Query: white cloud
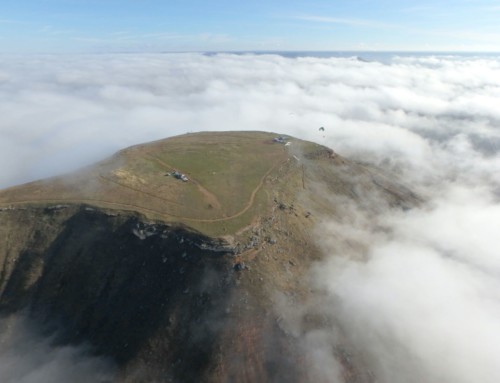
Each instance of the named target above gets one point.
<point>346,21</point>
<point>54,105</point>
<point>423,305</point>
<point>27,357</point>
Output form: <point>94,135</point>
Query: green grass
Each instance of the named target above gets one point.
<point>223,195</point>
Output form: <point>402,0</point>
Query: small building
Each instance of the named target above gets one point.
<point>179,176</point>
<point>281,140</point>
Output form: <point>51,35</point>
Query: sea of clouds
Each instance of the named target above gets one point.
<point>420,300</point>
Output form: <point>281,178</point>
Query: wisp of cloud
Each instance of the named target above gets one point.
<point>28,357</point>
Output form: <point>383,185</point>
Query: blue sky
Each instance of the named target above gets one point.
<point>31,26</point>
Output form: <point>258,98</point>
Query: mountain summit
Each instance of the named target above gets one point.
<point>179,259</point>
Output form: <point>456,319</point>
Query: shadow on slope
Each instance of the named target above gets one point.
<point>114,281</point>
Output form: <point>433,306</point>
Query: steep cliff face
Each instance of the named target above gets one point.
<point>163,302</point>
<point>175,281</point>
<point>136,291</point>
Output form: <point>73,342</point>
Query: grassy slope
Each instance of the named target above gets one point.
<point>234,178</point>
<point>225,192</point>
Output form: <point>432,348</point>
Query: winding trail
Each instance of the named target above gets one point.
<point>140,209</point>
<point>209,196</point>
<point>106,179</point>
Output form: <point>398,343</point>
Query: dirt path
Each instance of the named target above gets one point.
<point>254,193</point>
<point>209,196</point>
<point>106,179</point>
<point>140,209</point>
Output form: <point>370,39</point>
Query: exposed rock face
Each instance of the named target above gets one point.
<point>165,302</point>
